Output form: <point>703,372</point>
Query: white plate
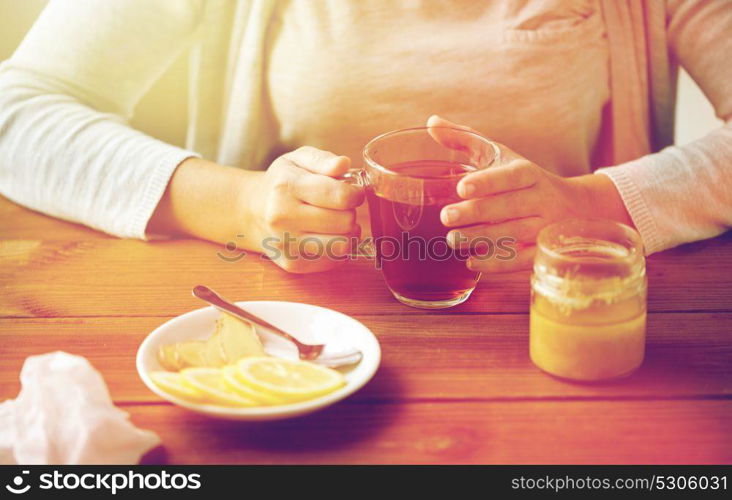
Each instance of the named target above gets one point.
<point>310,324</point>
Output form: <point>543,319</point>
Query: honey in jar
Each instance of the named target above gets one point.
<point>588,300</point>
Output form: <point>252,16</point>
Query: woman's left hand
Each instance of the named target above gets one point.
<point>515,199</point>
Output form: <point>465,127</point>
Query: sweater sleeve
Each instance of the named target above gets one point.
<point>65,97</point>
<point>683,194</point>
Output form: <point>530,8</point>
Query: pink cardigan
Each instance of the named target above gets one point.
<point>681,193</point>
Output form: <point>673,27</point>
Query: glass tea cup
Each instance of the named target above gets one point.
<point>409,176</point>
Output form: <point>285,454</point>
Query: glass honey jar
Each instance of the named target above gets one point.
<point>588,300</point>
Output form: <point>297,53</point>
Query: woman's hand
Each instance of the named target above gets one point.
<point>296,212</point>
<point>515,199</point>
<point>305,219</point>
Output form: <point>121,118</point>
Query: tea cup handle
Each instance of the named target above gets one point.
<point>354,176</point>
<point>357,177</point>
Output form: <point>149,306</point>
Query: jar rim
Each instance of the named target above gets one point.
<point>576,227</point>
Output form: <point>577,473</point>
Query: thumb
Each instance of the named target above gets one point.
<point>436,121</point>
<point>453,136</point>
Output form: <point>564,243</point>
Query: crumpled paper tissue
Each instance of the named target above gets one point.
<point>64,415</point>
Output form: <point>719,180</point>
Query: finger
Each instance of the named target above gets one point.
<point>517,174</point>
<point>453,136</point>
<point>311,219</point>
<point>307,253</point>
<point>318,161</point>
<point>491,209</point>
<point>326,192</point>
<point>331,246</point>
<point>436,121</point>
<point>520,259</point>
<point>521,230</point>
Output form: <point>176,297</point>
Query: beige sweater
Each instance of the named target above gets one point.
<point>65,96</point>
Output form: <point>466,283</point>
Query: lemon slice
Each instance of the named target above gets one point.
<point>287,379</point>
<point>231,381</point>
<point>172,383</point>
<point>210,383</point>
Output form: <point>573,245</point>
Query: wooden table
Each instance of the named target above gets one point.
<point>454,386</point>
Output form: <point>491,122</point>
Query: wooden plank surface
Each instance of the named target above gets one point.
<point>454,386</point>
<point>660,432</point>
<point>107,277</point>
<point>448,356</point>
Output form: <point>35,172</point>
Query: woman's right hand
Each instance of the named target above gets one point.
<point>300,215</point>
<point>296,212</point>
